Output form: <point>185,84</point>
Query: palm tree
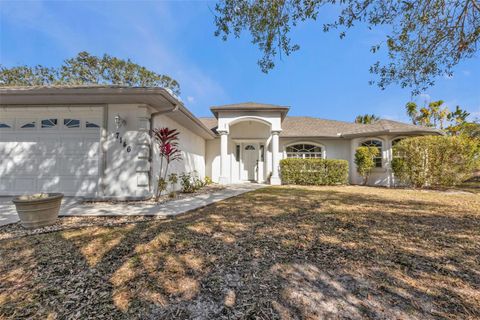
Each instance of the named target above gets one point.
<point>367,119</point>
<point>412,111</point>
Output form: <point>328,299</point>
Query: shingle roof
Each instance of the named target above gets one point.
<point>316,127</point>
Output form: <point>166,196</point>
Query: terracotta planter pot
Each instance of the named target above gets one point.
<point>38,210</point>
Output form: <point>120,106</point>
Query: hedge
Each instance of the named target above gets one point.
<point>435,161</point>
<point>314,171</point>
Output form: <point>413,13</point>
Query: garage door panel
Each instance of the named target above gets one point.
<point>78,186</point>
<point>48,166</point>
<point>20,166</point>
<point>47,146</point>
<point>22,185</point>
<point>50,184</point>
<point>79,166</point>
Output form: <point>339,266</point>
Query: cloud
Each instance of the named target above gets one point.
<point>466,72</point>
<point>425,97</point>
<point>190,99</point>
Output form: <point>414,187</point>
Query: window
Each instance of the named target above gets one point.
<point>4,125</point>
<point>91,125</point>
<point>28,125</point>
<point>304,151</point>
<point>376,144</point>
<point>237,152</point>
<point>262,153</point>
<point>49,123</point>
<point>249,147</point>
<point>71,123</point>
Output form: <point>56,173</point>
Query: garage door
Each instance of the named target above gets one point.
<point>50,149</point>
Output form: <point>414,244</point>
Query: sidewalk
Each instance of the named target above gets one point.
<point>74,207</point>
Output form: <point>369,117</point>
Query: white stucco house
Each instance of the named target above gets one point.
<point>93,141</point>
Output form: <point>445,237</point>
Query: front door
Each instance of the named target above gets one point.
<point>250,157</point>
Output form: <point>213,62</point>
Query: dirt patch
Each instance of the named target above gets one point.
<point>276,253</point>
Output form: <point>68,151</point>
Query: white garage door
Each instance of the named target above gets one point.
<point>50,149</point>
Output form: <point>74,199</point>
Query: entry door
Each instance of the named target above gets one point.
<point>250,157</point>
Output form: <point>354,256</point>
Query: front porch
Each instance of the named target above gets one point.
<point>249,144</point>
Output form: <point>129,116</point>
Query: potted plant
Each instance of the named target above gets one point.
<point>38,210</point>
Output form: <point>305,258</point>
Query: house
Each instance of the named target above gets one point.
<point>93,141</point>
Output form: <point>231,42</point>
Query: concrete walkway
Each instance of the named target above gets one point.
<point>75,207</point>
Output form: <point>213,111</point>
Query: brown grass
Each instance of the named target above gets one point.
<point>276,253</point>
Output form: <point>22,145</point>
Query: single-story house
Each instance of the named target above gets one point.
<point>93,141</point>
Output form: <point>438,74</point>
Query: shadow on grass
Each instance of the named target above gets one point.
<point>276,253</point>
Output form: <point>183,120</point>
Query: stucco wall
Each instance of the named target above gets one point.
<point>126,164</point>
<point>193,149</point>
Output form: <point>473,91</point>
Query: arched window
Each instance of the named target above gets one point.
<point>304,151</point>
<point>249,147</point>
<point>376,144</point>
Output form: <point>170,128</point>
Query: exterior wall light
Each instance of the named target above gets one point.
<point>119,121</point>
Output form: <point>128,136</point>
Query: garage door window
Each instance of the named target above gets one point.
<point>28,125</point>
<point>4,125</point>
<point>71,123</point>
<point>92,125</point>
<point>49,123</point>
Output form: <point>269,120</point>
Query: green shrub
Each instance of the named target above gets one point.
<point>314,171</point>
<point>208,180</point>
<point>365,161</point>
<point>187,183</point>
<point>432,161</point>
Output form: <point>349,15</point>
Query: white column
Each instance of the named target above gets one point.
<point>224,176</point>
<point>275,179</point>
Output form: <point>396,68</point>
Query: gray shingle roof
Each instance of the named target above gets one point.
<point>316,127</point>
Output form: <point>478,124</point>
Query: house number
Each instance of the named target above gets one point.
<point>122,142</point>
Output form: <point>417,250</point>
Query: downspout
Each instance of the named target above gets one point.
<point>150,159</point>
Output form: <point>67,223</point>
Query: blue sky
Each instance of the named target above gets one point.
<point>327,78</point>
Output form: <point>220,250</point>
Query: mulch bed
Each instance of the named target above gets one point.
<point>275,253</point>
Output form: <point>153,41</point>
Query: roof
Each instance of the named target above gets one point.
<point>158,98</point>
<point>250,106</point>
<point>316,127</point>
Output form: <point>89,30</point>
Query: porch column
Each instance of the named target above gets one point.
<point>224,177</point>
<point>275,179</point>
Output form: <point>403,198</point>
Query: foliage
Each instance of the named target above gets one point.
<point>425,39</point>
<point>434,115</point>
<point>161,186</point>
<point>314,171</point>
<point>432,161</point>
<point>208,180</point>
<point>166,141</point>
<point>191,182</point>
<point>173,178</point>
<point>367,119</point>
<point>365,161</point>
<point>87,69</point>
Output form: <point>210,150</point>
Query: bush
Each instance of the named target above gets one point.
<point>432,161</point>
<point>314,171</point>
<point>364,159</point>
<point>188,186</point>
<point>190,182</point>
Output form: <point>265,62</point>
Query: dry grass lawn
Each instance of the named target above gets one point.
<point>276,253</point>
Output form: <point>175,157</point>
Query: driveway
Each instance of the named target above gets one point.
<point>75,207</point>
